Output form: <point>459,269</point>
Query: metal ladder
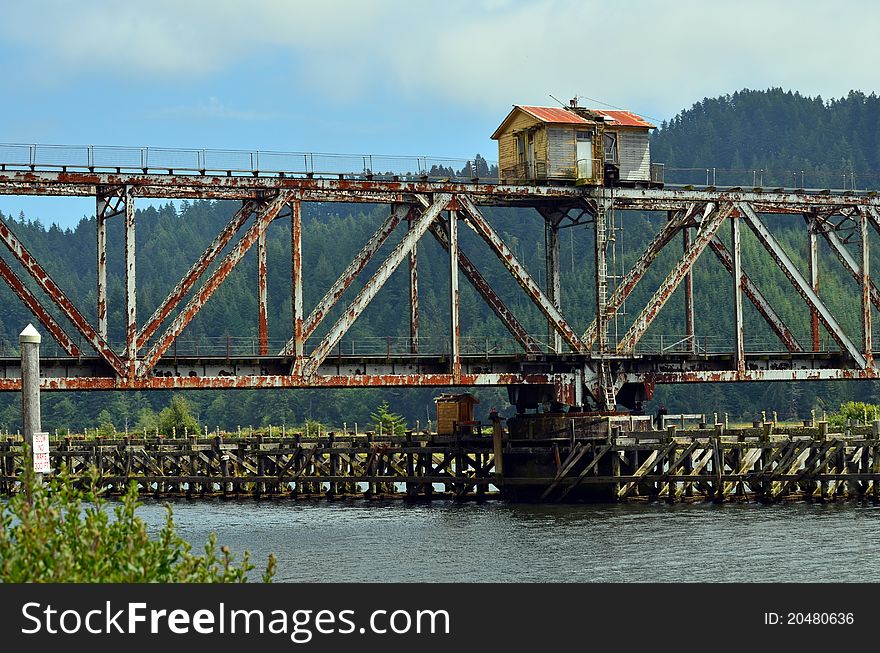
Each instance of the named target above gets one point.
<point>606,382</point>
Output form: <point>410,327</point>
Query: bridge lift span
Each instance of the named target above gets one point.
<point>572,367</point>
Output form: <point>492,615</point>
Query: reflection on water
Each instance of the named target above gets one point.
<point>444,541</point>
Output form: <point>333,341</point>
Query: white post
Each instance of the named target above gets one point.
<point>29,340</point>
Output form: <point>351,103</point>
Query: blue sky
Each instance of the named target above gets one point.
<point>392,77</point>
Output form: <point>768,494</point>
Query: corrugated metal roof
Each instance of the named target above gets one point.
<point>555,115</point>
<point>623,119</point>
<point>561,116</point>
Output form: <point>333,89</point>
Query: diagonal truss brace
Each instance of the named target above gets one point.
<point>706,232</point>
<point>195,272</point>
<point>39,311</point>
<point>845,257</point>
<point>485,290</point>
<point>332,296</point>
<point>265,215</point>
<point>757,298</point>
<point>518,271</point>
<point>785,264</point>
<point>368,292</point>
<point>48,286</point>
<point>637,271</point>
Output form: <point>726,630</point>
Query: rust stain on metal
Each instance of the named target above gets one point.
<point>195,272</point>
<point>47,285</point>
<point>709,226</point>
<point>33,304</point>
<point>472,274</point>
<point>265,215</point>
<point>262,298</point>
<point>519,272</point>
<point>757,298</point>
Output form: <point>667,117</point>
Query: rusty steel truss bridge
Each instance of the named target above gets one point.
<point>570,367</point>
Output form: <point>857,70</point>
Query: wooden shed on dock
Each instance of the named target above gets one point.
<point>587,146</point>
<point>455,413</point>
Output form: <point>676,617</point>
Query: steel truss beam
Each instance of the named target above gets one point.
<point>847,259</point>
<point>706,232</point>
<point>640,267</point>
<point>359,262</point>
<point>195,272</point>
<point>776,323</point>
<point>45,282</point>
<point>265,215</point>
<point>476,219</point>
<point>28,299</point>
<point>366,295</point>
<point>485,290</point>
<point>785,264</point>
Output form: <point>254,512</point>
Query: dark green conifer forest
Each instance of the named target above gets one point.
<point>795,140</point>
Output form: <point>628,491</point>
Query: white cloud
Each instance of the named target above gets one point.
<point>487,54</point>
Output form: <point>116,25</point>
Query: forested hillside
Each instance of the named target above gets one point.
<point>772,129</point>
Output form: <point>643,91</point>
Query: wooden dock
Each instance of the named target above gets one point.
<point>765,463</point>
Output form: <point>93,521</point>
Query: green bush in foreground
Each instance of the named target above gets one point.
<point>68,535</point>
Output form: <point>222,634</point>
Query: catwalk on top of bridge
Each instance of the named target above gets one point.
<point>565,366</point>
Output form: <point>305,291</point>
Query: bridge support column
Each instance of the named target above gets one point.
<point>130,284</point>
<point>553,285</point>
<point>454,327</point>
<point>866,288</point>
<point>296,276</point>
<point>262,304</point>
<point>413,298</point>
<point>101,246</point>
<point>813,233</point>
<point>738,338</point>
<point>688,291</point>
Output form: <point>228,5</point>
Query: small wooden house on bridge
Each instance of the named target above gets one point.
<point>585,146</point>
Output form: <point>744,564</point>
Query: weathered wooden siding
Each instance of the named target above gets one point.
<point>561,153</point>
<point>635,155</point>
<point>507,140</point>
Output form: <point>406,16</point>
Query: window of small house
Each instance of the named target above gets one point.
<point>610,147</point>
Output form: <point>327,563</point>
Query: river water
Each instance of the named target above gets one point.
<point>494,541</point>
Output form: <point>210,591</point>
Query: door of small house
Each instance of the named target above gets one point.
<point>584,154</point>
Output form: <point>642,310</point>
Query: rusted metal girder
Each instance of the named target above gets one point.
<point>368,292</point>
<point>48,286</point>
<point>688,292</point>
<point>359,262</point>
<point>265,215</point>
<point>757,298</point>
<point>288,381</point>
<point>33,304</point>
<point>195,272</point>
<point>131,348</point>
<point>554,279</point>
<point>454,325</point>
<point>739,349</point>
<point>413,297</point>
<point>251,187</point>
<point>109,202</point>
<point>640,267</point>
<point>812,234</point>
<point>784,262</point>
<point>707,230</point>
<point>296,282</point>
<point>485,290</point>
<point>866,287</point>
<point>101,255</point>
<point>527,283</point>
<point>847,259</point>
<point>262,296</point>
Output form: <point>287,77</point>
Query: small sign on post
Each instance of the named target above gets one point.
<point>41,453</point>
